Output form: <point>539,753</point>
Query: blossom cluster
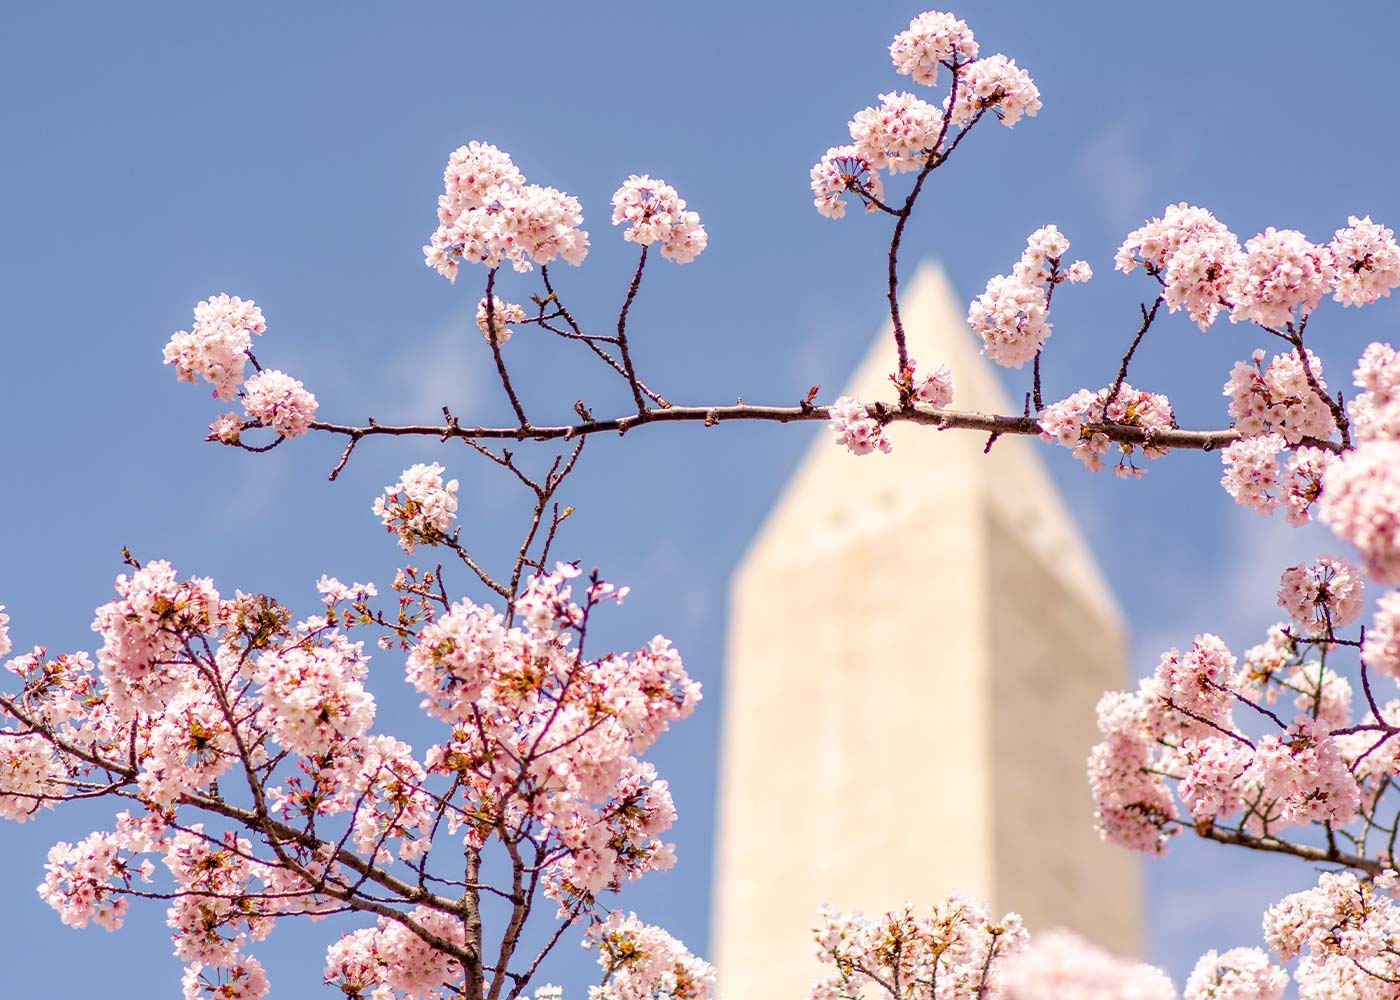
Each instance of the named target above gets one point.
<point>541,747</point>
<point>1179,727</point>
<point>642,962</point>
<point>955,943</point>
<point>1276,279</point>
<point>501,313</point>
<point>1280,398</point>
<point>1070,423</point>
<point>856,429</point>
<point>1345,934</point>
<point>905,133</point>
<point>216,347</point>
<point>934,390</point>
<point>1012,316</point>
<point>488,214</point>
<point>655,213</point>
<point>419,508</point>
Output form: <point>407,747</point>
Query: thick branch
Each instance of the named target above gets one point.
<point>1212,440</point>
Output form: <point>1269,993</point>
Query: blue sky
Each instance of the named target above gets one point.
<point>160,153</point>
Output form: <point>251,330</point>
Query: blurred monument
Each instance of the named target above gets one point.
<point>917,642</point>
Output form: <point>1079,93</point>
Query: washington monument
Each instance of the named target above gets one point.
<point>917,643</point>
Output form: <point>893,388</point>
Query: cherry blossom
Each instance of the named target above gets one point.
<point>655,213</point>
<point>1069,423</point>
<point>487,214</point>
<point>955,943</point>
<point>642,962</point>
<point>1375,413</point>
<point>897,135</point>
<point>1238,974</point>
<point>279,401</point>
<point>216,347</point>
<point>1323,596</point>
<point>1279,398</point>
<point>932,38</point>
<point>419,508</point>
<point>1059,965</point>
<point>1361,504</point>
<point>1282,277</point>
<point>995,83</point>
<point>856,429</point>
<point>1381,650</point>
<point>840,170</point>
<point>1365,261</point>
<point>1193,254</point>
<point>1252,471</point>
<point>504,312</point>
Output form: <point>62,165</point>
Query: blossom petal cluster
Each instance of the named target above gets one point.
<point>1280,397</point>
<point>655,213</point>
<point>277,400</point>
<point>1070,421</point>
<point>932,38</point>
<point>1375,411</point>
<point>419,508</point>
<point>1059,965</point>
<point>1365,260</point>
<point>856,429</point>
<point>955,943</point>
<point>1345,934</point>
<point>1012,315</point>
<point>643,962</point>
<point>488,214</point>
<point>998,85</point>
<point>216,347</point>
<point>1322,596</point>
<point>1281,278</point>
<point>501,313</point>
<point>1192,253</point>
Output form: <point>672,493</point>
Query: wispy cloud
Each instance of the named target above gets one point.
<point>431,371</point>
<point>1116,163</point>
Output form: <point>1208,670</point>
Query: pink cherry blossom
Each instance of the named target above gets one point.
<point>1069,423</point>
<point>931,38</point>
<point>1279,398</point>
<point>655,213</point>
<point>1365,260</point>
<point>487,214</point>
<point>897,135</point>
<point>856,429</point>
<point>642,962</point>
<point>1011,317</point>
<point>1302,482</point>
<point>995,83</point>
<point>1305,770</point>
<point>1282,278</point>
<point>956,943</point>
<point>1322,596</point>
<point>226,428</point>
<point>1194,256</point>
<point>419,508</point>
<point>1381,650</point>
<point>1375,413</point>
<point>279,401</point>
<point>216,347</point>
<point>1060,965</point>
<point>840,170</point>
<point>505,312</point>
<point>1252,471</point>
<point>1238,974</point>
<point>1361,504</point>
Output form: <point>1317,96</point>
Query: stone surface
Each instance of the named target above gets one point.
<point>917,642</point>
